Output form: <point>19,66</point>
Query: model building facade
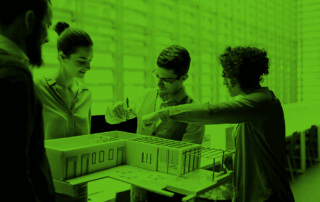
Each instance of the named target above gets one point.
<point>76,156</point>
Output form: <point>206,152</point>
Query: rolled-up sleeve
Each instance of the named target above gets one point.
<point>194,134</point>
<point>236,111</point>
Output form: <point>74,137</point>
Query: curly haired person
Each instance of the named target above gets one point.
<point>259,138</point>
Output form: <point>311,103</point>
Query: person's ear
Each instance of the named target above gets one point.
<point>184,77</point>
<point>30,20</point>
<point>61,57</point>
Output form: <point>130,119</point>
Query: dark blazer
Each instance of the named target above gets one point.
<point>25,167</point>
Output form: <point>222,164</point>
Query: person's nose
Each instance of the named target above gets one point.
<point>225,82</point>
<point>160,82</point>
<point>88,67</point>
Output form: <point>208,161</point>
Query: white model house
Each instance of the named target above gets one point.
<point>76,156</point>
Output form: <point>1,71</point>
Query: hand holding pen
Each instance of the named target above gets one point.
<point>128,110</point>
<point>121,109</point>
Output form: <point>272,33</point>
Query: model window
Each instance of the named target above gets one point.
<point>142,157</point>
<point>110,154</point>
<point>101,156</point>
<point>94,158</point>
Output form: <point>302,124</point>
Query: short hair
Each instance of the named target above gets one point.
<point>175,57</point>
<point>246,65</point>
<point>11,9</point>
<point>70,39</point>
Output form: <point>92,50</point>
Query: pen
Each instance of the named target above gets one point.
<point>127,102</point>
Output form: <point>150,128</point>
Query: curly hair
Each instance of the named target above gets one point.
<point>70,39</point>
<point>175,57</point>
<point>245,65</point>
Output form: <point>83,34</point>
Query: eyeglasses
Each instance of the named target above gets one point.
<point>166,80</point>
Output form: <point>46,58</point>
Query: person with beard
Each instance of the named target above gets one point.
<point>170,73</point>
<point>259,138</point>
<point>66,101</point>
<point>23,30</point>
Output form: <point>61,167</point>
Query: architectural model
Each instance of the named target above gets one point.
<point>77,156</point>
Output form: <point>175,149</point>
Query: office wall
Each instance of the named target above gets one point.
<point>129,35</point>
<point>308,50</point>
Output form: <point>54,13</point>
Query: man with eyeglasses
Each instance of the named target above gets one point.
<point>171,71</point>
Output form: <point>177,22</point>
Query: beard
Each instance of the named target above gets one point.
<point>34,48</point>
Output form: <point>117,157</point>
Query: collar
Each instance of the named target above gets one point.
<point>14,50</point>
<point>177,96</point>
<point>262,89</point>
<point>259,89</point>
<point>51,81</point>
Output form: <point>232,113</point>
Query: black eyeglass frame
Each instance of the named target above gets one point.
<point>153,72</point>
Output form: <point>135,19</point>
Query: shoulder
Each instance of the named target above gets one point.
<point>38,80</point>
<point>150,90</point>
<point>145,93</point>
<point>262,95</point>
<point>15,77</point>
<point>84,88</point>
<point>191,100</point>
<point>39,83</point>
<point>14,71</point>
<point>18,83</point>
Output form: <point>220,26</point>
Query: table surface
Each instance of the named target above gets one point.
<point>189,183</point>
<point>106,189</point>
<point>124,176</point>
<point>298,117</point>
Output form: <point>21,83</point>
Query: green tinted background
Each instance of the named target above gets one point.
<point>128,36</point>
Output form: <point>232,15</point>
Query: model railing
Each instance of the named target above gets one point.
<point>207,153</point>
